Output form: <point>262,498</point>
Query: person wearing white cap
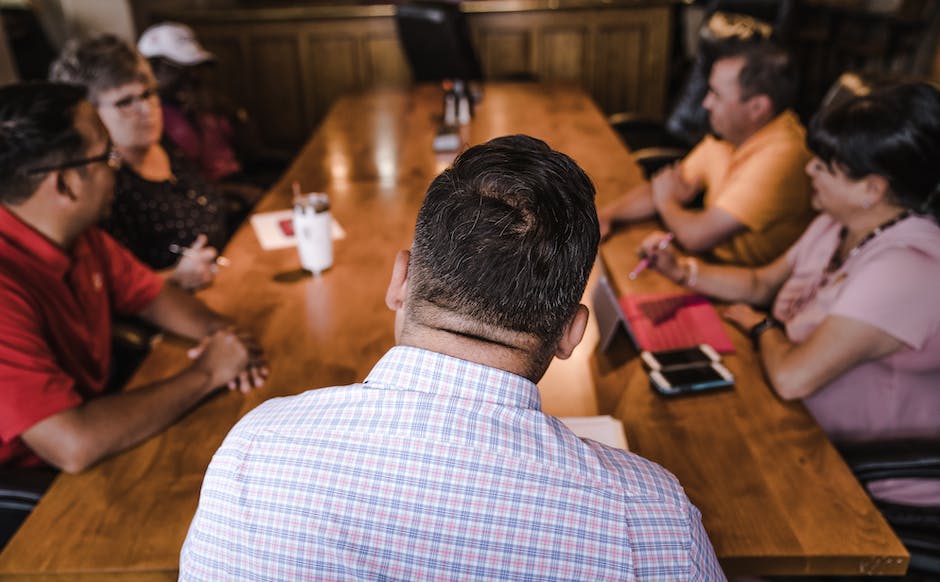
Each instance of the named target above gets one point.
<point>206,127</point>
<point>174,42</point>
<point>193,118</point>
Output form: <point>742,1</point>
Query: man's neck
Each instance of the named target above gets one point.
<point>758,127</point>
<point>45,222</point>
<point>452,335</point>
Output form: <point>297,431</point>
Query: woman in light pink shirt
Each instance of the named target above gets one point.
<point>855,324</point>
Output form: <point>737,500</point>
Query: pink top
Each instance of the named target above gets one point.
<point>207,143</point>
<point>892,284</point>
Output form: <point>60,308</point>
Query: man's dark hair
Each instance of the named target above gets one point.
<point>507,237</point>
<point>893,132</point>
<point>768,70</point>
<point>37,128</point>
<point>102,63</point>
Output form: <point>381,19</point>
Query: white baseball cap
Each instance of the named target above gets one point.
<point>175,42</point>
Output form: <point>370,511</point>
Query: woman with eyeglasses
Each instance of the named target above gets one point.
<point>163,211</point>
<point>854,329</point>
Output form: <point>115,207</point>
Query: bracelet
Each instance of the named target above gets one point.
<point>689,272</point>
<point>758,329</point>
<point>693,272</point>
<point>684,275</point>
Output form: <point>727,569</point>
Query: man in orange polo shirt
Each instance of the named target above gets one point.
<point>757,195</point>
<point>61,278</point>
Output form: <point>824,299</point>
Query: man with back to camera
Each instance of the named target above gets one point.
<point>757,194</point>
<point>61,278</point>
<point>441,464</point>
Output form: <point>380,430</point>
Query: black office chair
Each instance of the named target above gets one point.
<point>131,340</point>
<point>917,527</point>
<point>20,491</point>
<point>437,42</point>
<point>779,14</point>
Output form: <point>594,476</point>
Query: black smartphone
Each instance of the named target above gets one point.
<point>674,381</point>
<point>700,355</point>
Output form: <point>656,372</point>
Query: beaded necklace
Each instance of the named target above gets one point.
<point>835,263</point>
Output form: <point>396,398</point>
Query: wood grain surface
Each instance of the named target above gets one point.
<point>775,496</point>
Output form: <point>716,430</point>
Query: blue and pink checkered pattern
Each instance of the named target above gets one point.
<point>435,468</point>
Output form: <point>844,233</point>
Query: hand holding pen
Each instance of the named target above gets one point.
<point>654,251</point>
<point>198,264</point>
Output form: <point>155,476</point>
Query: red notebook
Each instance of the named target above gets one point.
<point>666,321</point>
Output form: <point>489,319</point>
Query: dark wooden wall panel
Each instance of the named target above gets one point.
<point>287,67</point>
<point>278,87</point>
<point>504,52</point>
<point>331,69</point>
<point>228,72</point>
<point>386,64</point>
<point>618,54</point>
<point>564,56</point>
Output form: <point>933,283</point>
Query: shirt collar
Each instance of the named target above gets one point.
<point>32,242</point>
<point>415,369</point>
<point>785,121</point>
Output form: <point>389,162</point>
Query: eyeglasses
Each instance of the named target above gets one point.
<point>125,104</point>
<point>110,157</point>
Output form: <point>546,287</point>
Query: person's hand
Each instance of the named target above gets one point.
<point>662,254</point>
<point>227,361</point>
<point>196,268</point>
<point>256,373</point>
<point>668,185</point>
<point>742,316</point>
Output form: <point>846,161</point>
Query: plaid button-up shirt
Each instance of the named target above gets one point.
<point>435,468</point>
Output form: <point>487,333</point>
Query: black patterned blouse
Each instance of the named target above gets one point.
<point>147,217</point>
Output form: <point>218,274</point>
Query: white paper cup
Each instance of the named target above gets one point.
<point>313,227</point>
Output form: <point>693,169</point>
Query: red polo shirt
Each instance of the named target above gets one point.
<point>55,323</point>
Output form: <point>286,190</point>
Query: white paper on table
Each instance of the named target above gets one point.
<point>271,235</point>
<point>603,429</point>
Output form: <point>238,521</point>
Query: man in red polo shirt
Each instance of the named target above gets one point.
<point>62,279</point>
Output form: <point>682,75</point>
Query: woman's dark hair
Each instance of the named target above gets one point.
<point>100,64</point>
<point>893,132</point>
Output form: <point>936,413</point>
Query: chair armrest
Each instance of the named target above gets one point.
<point>633,119</point>
<point>894,459</point>
<point>653,159</point>
<point>21,489</point>
<point>133,333</point>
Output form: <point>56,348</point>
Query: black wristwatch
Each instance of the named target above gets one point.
<point>760,327</point>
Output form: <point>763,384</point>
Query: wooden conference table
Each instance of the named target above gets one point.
<point>775,496</point>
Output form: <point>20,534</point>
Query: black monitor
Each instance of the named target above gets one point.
<point>436,41</point>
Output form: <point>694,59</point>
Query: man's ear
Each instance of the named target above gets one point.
<point>574,332</point>
<point>398,286</point>
<point>760,108</point>
<point>61,186</point>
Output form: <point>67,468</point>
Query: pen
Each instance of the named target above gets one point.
<point>177,249</point>
<point>645,261</point>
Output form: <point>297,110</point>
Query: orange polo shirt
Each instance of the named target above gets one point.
<point>762,183</point>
